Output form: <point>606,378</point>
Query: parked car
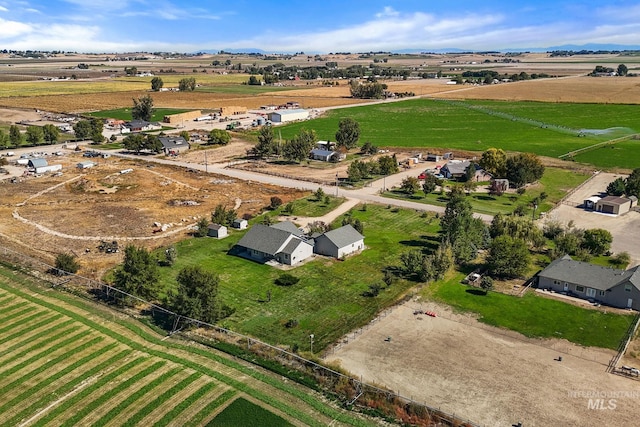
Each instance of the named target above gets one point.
<point>423,175</point>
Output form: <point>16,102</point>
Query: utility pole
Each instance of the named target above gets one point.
<point>206,165</point>
<point>311,342</point>
<point>336,184</point>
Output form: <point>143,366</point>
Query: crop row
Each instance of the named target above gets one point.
<point>44,383</point>
<point>67,387</point>
<point>12,307</point>
<point>50,363</point>
<point>184,405</point>
<point>20,333</point>
<point>166,395</point>
<point>104,397</point>
<point>71,402</point>
<point>16,320</point>
<point>44,353</point>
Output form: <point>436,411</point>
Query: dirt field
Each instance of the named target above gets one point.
<point>479,373</point>
<point>74,212</point>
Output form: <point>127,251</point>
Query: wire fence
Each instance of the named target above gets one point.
<point>353,389</point>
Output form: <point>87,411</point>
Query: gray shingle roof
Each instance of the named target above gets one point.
<point>288,226</point>
<point>343,236</point>
<point>173,141</point>
<point>457,167</point>
<point>264,239</point>
<point>293,245</point>
<point>565,269</point>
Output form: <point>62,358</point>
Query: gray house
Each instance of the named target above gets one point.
<point>339,242</point>
<point>613,287</point>
<point>455,169</point>
<point>172,145</point>
<point>278,242</point>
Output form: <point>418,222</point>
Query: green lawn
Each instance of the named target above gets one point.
<point>241,412</point>
<point>556,183</point>
<point>327,301</point>
<point>621,154</point>
<point>125,113</point>
<point>532,315</point>
<point>549,129</point>
<point>311,207</point>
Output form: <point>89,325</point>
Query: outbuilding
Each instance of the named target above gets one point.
<point>283,116</point>
<point>85,165</point>
<point>240,224</point>
<point>340,242</point>
<point>217,230</point>
<point>613,205</point>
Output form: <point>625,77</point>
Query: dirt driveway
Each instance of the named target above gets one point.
<point>624,228</point>
<point>483,375</point>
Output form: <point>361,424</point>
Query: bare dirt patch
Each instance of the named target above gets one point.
<point>73,212</point>
<point>481,374</point>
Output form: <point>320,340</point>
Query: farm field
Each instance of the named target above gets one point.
<point>125,113</point>
<point>68,362</point>
<point>546,129</point>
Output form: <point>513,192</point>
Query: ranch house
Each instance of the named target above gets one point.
<point>609,286</point>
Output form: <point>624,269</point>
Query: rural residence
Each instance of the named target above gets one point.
<point>613,287</point>
<point>340,242</point>
<point>173,145</point>
<point>282,242</point>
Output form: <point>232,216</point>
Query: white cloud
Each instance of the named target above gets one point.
<point>387,12</point>
<point>13,28</point>
<point>32,10</point>
<point>3,9</point>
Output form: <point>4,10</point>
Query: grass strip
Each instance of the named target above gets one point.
<point>67,387</point>
<point>210,407</point>
<point>136,418</point>
<point>47,381</point>
<point>44,352</point>
<point>40,334</point>
<point>14,319</point>
<point>104,398</point>
<point>12,307</point>
<point>73,400</point>
<point>113,412</point>
<point>49,364</point>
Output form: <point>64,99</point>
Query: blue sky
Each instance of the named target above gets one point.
<point>313,26</point>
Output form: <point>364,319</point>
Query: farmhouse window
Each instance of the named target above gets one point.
<point>591,292</point>
<point>601,293</point>
<point>579,288</point>
<point>627,288</point>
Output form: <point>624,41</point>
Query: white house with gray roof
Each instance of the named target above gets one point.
<point>610,286</point>
<point>278,242</point>
<point>339,242</point>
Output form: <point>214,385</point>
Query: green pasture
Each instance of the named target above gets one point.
<point>328,300</point>
<point>556,182</point>
<point>548,129</point>
<point>624,154</point>
<point>125,113</point>
<point>241,412</point>
<point>55,344</point>
<point>533,315</point>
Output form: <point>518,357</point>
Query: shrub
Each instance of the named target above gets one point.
<point>287,279</point>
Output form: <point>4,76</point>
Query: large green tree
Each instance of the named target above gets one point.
<point>616,187</point>
<point>156,84</point>
<point>34,135</point>
<point>51,133</point>
<point>524,168</point>
<point>66,263</point>
<point>348,133</point>
<point>134,142</point>
<point>15,136</point>
<point>632,183</point>
<point>142,108</point>
<point>223,216</point>
<point>597,241</point>
<point>460,229</point>
<point>188,84</point>
<point>494,161</point>
<point>83,129</point>
<point>410,185</point>
<point>298,148</point>
<point>138,275</point>
<point>96,130</point>
<point>4,140</point>
<point>219,137</point>
<point>508,257</point>
<point>197,295</point>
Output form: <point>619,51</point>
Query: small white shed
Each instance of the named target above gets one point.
<point>218,231</point>
<point>240,224</point>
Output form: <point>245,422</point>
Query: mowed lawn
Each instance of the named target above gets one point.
<point>548,129</point>
<point>533,315</point>
<point>328,300</point>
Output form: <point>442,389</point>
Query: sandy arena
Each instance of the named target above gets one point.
<point>481,374</point>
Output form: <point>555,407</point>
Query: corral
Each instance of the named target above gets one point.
<point>491,376</point>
